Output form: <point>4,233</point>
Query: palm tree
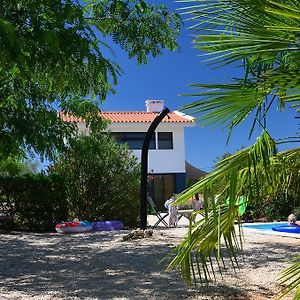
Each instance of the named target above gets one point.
<point>262,35</point>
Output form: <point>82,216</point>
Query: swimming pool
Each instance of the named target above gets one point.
<point>266,228</point>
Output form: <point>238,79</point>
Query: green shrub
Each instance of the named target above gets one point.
<point>275,209</point>
<point>253,212</point>
<point>279,208</point>
<point>102,179</point>
<point>36,201</point>
<point>296,212</point>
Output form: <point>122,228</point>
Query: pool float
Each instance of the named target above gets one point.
<point>241,202</point>
<point>287,228</point>
<point>107,225</point>
<point>74,227</point>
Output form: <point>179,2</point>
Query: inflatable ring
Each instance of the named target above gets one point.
<point>241,202</point>
<point>73,227</point>
<point>287,228</point>
<point>107,225</point>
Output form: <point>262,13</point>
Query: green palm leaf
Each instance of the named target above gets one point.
<point>202,252</point>
<point>245,168</point>
<point>290,279</point>
<point>244,27</point>
<point>264,36</point>
<point>227,105</point>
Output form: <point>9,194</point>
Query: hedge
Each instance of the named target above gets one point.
<point>36,201</point>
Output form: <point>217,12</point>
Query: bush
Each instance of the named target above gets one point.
<point>102,179</point>
<point>279,208</point>
<point>36,201</point>
<point>296,212</point>
<point>254,212</point>
<point>275,209</point>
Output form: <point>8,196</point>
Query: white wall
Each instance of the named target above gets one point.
<point>160,160</point>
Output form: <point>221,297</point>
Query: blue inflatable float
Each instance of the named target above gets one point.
<point>107,225</point>
<point>287,228</point>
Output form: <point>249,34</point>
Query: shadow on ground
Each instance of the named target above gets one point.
<point>102,266</point>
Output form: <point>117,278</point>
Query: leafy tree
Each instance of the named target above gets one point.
<point>13,166</point>
<point>53,56</point>
<point>10,166</point>
<point>262,36</point>
<point>102,179</point>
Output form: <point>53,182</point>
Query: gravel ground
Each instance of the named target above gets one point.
<point>102,266</point>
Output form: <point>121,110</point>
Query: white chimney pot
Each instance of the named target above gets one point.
<point>154,105</point>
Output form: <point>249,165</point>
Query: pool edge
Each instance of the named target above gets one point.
<point>269,232</point>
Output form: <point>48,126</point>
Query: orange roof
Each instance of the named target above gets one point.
<point>133,117</point>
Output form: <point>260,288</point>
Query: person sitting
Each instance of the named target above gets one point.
<point>197,203</point>
<point>292,220</point>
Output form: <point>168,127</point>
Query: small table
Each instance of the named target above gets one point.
<point>187,213</point>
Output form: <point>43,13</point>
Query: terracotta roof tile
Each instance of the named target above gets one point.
<point>133,117</point>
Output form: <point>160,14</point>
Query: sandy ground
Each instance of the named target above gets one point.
<point>102,266</point>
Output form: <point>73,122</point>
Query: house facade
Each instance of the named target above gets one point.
<point>166,157</point>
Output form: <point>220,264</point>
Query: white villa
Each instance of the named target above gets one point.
<point>166,164</point>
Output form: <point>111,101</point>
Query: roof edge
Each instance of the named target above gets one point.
<point>184,115</point>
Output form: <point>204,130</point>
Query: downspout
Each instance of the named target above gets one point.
<point>144,165</point>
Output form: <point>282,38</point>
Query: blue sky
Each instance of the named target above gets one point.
<point>167,77</point>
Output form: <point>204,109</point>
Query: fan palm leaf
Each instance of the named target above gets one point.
<point>242,174</point>
<point>264,36</point>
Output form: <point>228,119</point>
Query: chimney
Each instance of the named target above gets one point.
<point>154,105</point>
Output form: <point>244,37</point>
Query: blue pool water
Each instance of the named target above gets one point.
<point>264,226</point>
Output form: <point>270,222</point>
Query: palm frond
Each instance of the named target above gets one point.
<point>245,28</point>
<point>199,254</point>
<point>227,105</point>
<point>264,35</point>
<point>213,242</point>
<point>290,279</point>
<point>239,170</point>
<point>220,190</point>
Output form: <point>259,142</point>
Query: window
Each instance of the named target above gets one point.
<point>133,139</point>
<point>165,140</point>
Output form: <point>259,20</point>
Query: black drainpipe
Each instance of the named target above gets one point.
<point>144,166</point>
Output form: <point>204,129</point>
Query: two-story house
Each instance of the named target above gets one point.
<point>166,158</point>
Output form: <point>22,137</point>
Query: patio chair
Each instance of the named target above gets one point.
<point>161,215</point>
